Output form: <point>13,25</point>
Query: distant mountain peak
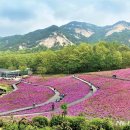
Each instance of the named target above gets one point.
<point>118,27</point>
<point>78,24</point>
<point>71,33</point>
<point>121,22</point>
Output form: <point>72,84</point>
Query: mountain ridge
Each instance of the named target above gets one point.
<point>71,33</point>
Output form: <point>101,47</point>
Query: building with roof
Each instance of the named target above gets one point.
<point>6,73</point>
<point>9,73</point>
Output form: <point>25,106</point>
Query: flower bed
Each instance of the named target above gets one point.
<point>123,73</point>
<point>72,88</point>
<point>7,82</point>
<point>45,108</point>
<point>25,96</point>
<point>111,100</point>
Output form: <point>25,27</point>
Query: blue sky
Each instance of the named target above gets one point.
<point>22,16</point>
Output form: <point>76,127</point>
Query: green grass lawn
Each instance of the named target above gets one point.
<point>8,88</point>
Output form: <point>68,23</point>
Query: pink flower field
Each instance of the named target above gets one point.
<point>112,98</point>
<point>122,73</point>
<point>65,85</point>
<point>68,86</point>
<point>25,96</point>
<point>7,82</point>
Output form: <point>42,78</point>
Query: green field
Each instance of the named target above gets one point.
<point>8,88</point>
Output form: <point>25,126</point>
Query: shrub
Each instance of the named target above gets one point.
<point>1,123</point>
<point>56,120</point>
<point>47,128</point>
<point>9,126</point>
<point>22,124</point>
<point>76,122</point>
<point>127,127</point>
<point>89,127</point>
<point>40,121</point>
<point>117,127</point>
<point>64,126</point>
<point>104,124</point>
<point>29,127</point>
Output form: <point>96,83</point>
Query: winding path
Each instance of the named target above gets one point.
<point>52,99</point>
<point>93,89</point>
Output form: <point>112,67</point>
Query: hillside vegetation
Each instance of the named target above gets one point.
<point>70,59</point>
<point>63,123</point>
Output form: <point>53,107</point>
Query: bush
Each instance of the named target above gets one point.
<point>56,120</point>
<point>1,123</point>
<point>127,127</point>
<point>9,126</point>
<point>40,121</point>
<point>104,124</point>
<point>22,124</point>
<point>64,126</point>
<point>47,128</point>
<point>67,123</point>
<point>76,122</point>
<point>117,127</point>
<point>29,127</point>
<point>89,127</point>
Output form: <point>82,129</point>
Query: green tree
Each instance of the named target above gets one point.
<point>64,107</point>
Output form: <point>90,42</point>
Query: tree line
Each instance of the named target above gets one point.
<point>71,59</point>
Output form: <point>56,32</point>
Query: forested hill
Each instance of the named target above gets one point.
<point>72,33</point>
<point>71,59</point>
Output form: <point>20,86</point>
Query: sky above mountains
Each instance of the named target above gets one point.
<point>22,16</point>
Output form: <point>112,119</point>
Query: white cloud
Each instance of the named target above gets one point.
<point>19,17</point>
